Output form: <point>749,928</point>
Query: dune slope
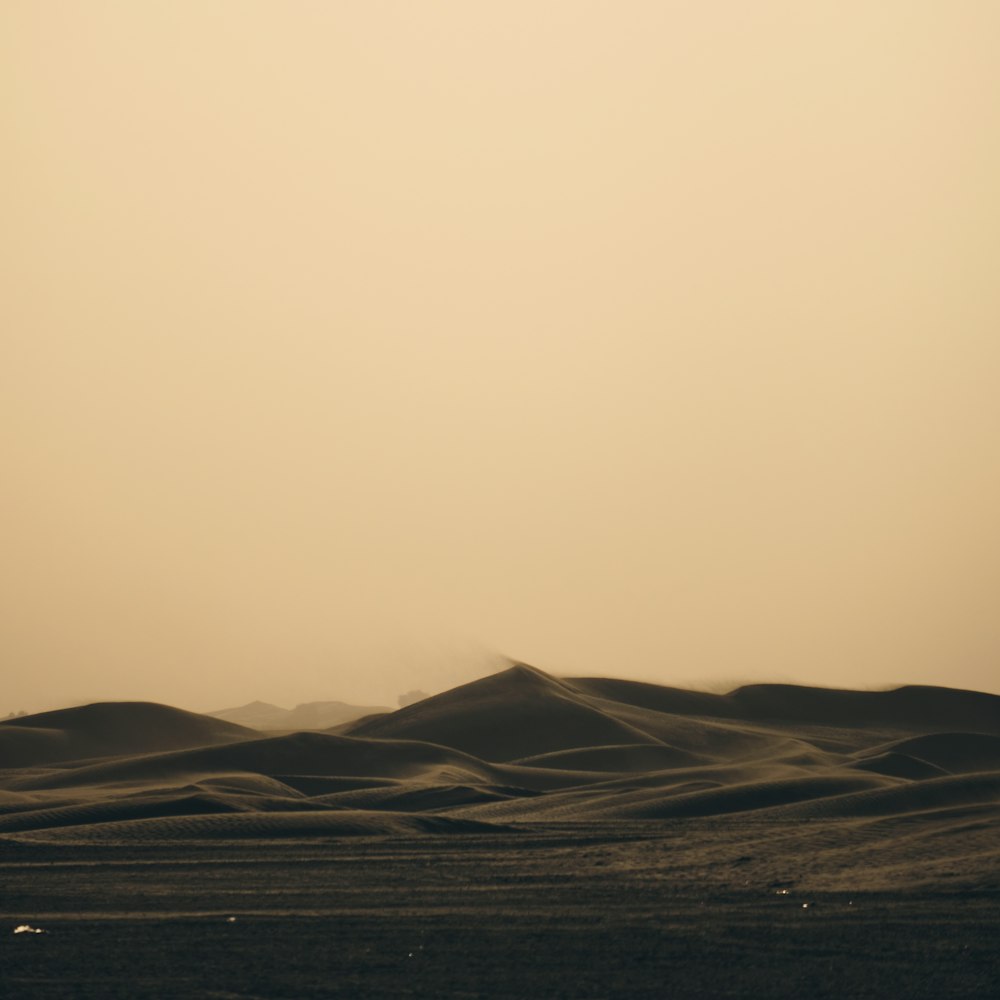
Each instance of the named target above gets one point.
<point>107,729</point>
<point>521,749</point>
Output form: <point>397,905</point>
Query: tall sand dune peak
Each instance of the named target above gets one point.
<point>518,712</point>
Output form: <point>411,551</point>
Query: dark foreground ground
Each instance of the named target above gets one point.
<point>599,913</point>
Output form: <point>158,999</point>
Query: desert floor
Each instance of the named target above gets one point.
<point>684,909</point>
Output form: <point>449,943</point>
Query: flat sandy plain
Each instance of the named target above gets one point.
<point>521,836</point>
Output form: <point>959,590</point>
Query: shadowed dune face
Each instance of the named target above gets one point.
<point>517,713</point>
<point>108,729</point>
<point>512,750</point>
<point>957,753</point>
<point>911,709</point>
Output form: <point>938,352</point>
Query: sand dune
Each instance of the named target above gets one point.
<point>632,757</point>
<point>518,748</point>
<point>898,765</point>
<point>909,798</point>
<point>912,708</point>
<point>301,753</point>
<point>103,811</point>
<point>252,825</point>
<point>954,752</point>
<point>109,728</point>
<point>514,714</point>
<point>421,797</point>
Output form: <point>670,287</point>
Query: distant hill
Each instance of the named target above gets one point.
<point>107,729</point>
<point>255,714</point>
<point>913,707</point>
<point>310,715</point>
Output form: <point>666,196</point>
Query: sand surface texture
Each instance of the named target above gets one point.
<point>519,836</point>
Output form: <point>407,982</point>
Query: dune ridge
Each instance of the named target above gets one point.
<point>517,750</point>
<point>106,729</point>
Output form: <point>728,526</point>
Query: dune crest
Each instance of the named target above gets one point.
<point>519,748</point>
<point>106,729</point>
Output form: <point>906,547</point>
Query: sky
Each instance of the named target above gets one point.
<point>350,347</point>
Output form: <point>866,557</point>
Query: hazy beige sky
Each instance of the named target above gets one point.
<point>345,343</point>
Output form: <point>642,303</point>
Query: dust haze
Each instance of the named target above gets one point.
<point>348,347</point>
